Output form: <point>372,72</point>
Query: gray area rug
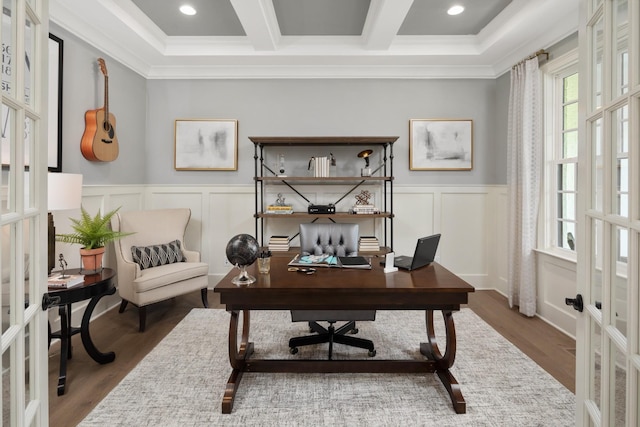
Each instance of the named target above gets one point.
<point>181,382</point>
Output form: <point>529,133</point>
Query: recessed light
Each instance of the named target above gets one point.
<point>187,9</point>
<point>455,10</point>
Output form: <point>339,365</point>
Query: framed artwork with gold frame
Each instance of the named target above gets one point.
<point>440,144</point>
<point>206,144</point>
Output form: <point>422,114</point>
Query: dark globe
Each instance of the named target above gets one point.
<point>242,249</point>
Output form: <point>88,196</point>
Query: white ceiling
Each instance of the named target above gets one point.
<point>318,38</point>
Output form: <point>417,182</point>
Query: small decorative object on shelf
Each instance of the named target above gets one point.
<point>281,169</point>
<point>242,251</point>
<point>366,170</point>
<point>362,205</point>
<point>279,207</point>
<point>279,243</point>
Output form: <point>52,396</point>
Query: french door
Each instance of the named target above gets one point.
<point>608,359</point>
<point>24,34</point>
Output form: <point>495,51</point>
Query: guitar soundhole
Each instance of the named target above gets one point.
<point>108,128</point>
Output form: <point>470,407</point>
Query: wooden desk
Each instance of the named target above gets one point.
<point>95,286</point>
<point>429,288</point>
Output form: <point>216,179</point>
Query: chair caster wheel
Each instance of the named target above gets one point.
<point>293,350</point>
<point>354,331</point>
<point>372,353</point>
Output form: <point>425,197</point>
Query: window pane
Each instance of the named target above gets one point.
<point>568,206</point>
<point>570,116</point>
<point>618,388</point>
<point>29,41</point>
<point>570,144</point>
<point>567,235</point>
<point>570,88</point>
<point>8,129</point>
<point>567,177</point>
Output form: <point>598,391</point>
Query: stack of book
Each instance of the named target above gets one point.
<point>279,209</point>
<point>279,243</point>
<point>365,209</point>
<point>58,281</point>
<point>368,244</point>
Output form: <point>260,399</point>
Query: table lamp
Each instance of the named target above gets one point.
<point>64,193</point>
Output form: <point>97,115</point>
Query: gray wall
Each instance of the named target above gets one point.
<point>146,110</point>
<point>83,89</point>
<point>326,107</point>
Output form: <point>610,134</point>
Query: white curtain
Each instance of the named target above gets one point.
<point>524,156</point>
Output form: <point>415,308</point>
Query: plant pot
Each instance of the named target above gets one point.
<point>91,260</point>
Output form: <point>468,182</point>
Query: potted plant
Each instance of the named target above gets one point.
<point>92,233</point>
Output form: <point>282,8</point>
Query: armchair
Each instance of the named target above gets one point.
<point>153,264</point>
<point>340,240</point>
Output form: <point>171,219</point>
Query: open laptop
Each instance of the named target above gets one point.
<point>424,254</point>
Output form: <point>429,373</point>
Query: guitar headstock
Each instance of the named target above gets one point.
<point>103,67</point>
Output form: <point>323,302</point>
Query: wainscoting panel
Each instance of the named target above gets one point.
<point>556,281</point>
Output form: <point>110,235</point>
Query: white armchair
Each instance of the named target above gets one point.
<point>153,264</point>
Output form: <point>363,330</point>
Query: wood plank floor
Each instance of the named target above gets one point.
<point>88,382</point>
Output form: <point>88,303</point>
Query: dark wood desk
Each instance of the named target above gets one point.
<point>429,288</point>
<point>95,286</point>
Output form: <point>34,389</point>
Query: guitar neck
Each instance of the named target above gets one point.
<point>106,98</point>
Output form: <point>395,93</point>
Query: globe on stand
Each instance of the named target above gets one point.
<point>242,251</point>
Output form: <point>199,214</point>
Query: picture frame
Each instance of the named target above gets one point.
<point>441,144</point>
<point>206,145</point>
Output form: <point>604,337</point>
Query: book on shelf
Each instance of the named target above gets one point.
<point>368,244</point>
<point>59,281</point>
<point>277,209</point>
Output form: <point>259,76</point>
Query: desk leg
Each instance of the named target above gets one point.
<point>444,362</point>
<point>237,357</point>
<point>96,355</point>
<point>65,347</point>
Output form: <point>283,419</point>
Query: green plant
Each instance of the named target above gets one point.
<point>91,232</point>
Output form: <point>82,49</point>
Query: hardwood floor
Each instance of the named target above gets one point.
<point>88,382</point>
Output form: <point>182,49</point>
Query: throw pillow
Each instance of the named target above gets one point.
<point>155,255</point>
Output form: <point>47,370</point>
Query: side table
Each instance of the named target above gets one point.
<point>95,286</point>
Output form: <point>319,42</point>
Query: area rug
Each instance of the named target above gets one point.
<point>182,380</point>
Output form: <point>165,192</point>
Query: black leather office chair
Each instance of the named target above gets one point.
<point>340,240</point>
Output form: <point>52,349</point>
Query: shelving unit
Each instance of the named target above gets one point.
<point>382,175</point>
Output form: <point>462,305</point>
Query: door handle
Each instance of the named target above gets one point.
<point>576,302</point>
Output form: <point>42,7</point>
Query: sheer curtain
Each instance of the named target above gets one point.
<point>524,156</point>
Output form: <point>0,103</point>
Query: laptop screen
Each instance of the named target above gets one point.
<point>425,250</point>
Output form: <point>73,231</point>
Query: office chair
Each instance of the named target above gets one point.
<point>339,240</point>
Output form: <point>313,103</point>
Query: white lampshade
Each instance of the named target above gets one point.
<point>64,192</point>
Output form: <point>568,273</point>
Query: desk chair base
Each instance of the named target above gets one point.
<point>332,335</point>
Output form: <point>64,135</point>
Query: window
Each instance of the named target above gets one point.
<point>561,155</point>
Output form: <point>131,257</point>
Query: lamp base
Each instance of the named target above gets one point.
<point>243,278</point>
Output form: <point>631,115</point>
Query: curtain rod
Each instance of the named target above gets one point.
<point>538,53</point>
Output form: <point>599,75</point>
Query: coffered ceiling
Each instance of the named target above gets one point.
<point>318,38</point>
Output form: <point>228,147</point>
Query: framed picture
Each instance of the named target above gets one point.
<point>436,144</point>
<point>206,145</point>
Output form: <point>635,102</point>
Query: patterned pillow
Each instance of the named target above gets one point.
<point>155,255</point>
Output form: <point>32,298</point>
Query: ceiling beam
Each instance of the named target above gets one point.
<point>258,18</point>
<point>383,22</point>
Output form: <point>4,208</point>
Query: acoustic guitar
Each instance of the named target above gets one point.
<point>99,142</point>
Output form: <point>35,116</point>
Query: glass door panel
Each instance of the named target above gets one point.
<point>619,281</point>
<point>620,48</point>
<point>597,43</point>
<point>597,173</point>
<point>618,378</point>
<point>620,134</point>
<point>597,257</point>
<point>595,388</point>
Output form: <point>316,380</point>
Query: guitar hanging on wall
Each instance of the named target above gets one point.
<point>99,142</point>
